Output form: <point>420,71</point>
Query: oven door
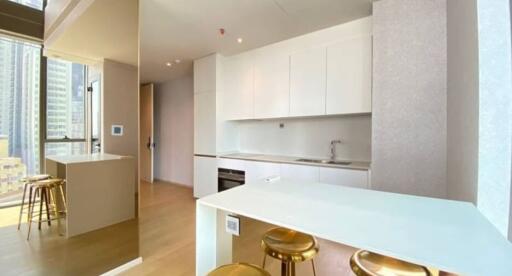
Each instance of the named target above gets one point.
<point>228,179</point>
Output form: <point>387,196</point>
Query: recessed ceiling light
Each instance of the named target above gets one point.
<point>168,64</point>
<point>239,40</point>
<point>177,60</point>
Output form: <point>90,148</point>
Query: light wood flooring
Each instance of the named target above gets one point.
<point>167,235</point>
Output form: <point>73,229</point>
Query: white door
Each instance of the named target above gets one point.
<point>205,176</point>
<point>271,85</point>
<point>307,82</point>
<point>146,146</point>
<point>238,92</point>
<point>349,76</point>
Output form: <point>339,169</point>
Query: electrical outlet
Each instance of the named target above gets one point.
<point>233,225</point>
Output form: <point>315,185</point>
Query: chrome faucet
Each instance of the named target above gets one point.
<point>333,148</point>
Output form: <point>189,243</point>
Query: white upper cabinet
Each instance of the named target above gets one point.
<point>238,89</point>
<point>349,76</point>
<point>271,85</point>
<point>204,124</point>
<point>205,74</point>
<point>307,82</point>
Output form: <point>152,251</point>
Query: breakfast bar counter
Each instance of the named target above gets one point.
<point>99,189</point>
<point>451,236</point>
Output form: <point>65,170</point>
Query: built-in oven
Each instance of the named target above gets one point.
<point>228,178</point>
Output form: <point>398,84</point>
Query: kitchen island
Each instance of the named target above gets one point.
<point>99,189</point>
<point>448,235</point>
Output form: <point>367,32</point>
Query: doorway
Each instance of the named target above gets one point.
<point>146,140</point>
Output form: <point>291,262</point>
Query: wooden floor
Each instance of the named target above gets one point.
<point>167,235</point>
<point>47,253</point>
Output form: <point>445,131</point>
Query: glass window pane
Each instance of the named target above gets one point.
<point>36,4</point>
<point>95,117</point>
<point>65,148</point>
<point>19,115</point>
<point>65,105</point>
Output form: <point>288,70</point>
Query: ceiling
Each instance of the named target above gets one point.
<point>107,29</point>
<point>188,29</point>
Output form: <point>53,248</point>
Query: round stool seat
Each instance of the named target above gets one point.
<point>239,269</point>
<point>48,182</point>
<point>365,263</point>
<point>289,245</point>
<point>37,177</point>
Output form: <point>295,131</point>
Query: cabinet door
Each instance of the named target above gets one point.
<point>238,90</point>
<point>204,124</point>
<point>205,176</point>
<point>271,85</point>
<point>349,76</point>
<point>232,164</point>
<point>260,170</point>
<point>344,177</point>
<point>299,172</point>
<point>307,82</point>
<point>205,74</point>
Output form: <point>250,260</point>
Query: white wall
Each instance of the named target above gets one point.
<point>174,131</point>
<point>409,97</point>
<point>462,148</point>
<point>309,137</point>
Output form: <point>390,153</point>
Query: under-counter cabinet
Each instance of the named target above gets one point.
<point>205,176</point>
<point>300,172</point>
<point>345,177</point>
<point>307,82</point>
<point>238,92</point>
<point>271,85</point>
<point>349,76</point>
<point>260,170</point>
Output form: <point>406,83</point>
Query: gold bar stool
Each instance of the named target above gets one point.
<point>365,263</point>
<point>47,192</point>
<point>239,269</point>
<point>289,247</point>
<point>27,181</point>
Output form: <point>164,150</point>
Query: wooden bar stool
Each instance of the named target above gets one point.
<point>365,263</point>
<point>47,191</point>
<point>289,247</point>
<point>239,269</point>
<point>26,182</point>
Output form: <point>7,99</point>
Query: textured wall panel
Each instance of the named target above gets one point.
<point>409,97</point>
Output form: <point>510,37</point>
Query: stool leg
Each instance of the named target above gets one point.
<point>22,203</point>
<point>284,269</point>
<point>40,208</point>
<point>55,209</point>
<point>63,198</point>
<point>264,260</point>
<point>313,265</point>
<point>31,203</point>
<point>46,205</point>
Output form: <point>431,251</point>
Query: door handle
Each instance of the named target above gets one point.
<point>150,145</point>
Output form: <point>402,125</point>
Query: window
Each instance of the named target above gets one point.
<point>35,4</point>
<point>65,108</point>
<point>19,115</point>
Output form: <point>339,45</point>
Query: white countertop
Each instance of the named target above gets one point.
<point>81,158</point>
<point>448,235</point>
<point>357,165</point>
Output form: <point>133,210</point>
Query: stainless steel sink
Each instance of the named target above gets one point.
<point>320,161</point>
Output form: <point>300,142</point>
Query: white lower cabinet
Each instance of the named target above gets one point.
<point>205,176</point>
<point>344,177</point>
<point>260,170</point>
<point>299,172</point>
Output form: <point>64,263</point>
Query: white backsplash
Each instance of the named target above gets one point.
<point>309,137</point>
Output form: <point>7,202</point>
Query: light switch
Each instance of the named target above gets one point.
<point>233,225</point>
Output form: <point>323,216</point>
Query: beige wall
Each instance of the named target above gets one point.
<point>120,105</point>
<point>174,131</point>
<point>462,155</point>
